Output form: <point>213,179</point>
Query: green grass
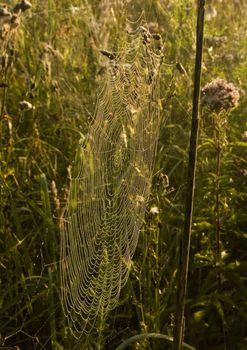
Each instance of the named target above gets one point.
<point>55,64</point>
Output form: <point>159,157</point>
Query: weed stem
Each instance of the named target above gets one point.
<point>185,240</point>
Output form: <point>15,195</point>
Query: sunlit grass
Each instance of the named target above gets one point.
<point>55,65</point>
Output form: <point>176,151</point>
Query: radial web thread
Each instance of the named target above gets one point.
<point>111,183</point>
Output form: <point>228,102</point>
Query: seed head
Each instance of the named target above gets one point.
<point>15,21</point>
<point>4,59</point>
<point>220,95</point>
<point>156,36</point>
<point>22,6</point>
<point>108,54</point>
<point>4,12</point>
<point>5,15</point>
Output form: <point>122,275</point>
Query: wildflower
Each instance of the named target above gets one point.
<point>220,95</point>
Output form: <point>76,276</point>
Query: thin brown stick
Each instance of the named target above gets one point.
<point>185,240</point>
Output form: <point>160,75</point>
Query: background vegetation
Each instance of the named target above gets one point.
<point>50,71</point>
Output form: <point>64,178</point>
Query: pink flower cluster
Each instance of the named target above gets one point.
<point>219,95</point>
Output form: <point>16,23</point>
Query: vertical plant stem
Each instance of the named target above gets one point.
<point>217,209</point>
<point>2,155</point>
<point>50,239</point>
<point>52,308</point>
<point>3,103</point>
<point>4,94</point>
<point>218,144</point>
<point>50,252</point>
<point>185,239</point>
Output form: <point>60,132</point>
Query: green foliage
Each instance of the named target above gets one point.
<point>55,65</point>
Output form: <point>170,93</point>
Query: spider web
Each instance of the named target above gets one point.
<point>111,182</point>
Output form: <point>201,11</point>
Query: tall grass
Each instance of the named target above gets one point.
<point>55,65</point>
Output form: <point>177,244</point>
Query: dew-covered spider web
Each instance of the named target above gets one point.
<point>111,182</point>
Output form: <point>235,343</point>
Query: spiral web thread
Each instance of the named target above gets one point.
<point>111,184</point>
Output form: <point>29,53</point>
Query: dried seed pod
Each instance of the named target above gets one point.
<point>5,15</point>
<point>55,195</point>
<point>15,21</point>
<point>146,38</point>
<point>143,29</point>
<point>165,180</point>
<point>4,30</point>
<point>108,54</point>
<point>83,141</point>
<point>4,12</point>
<point>181,68</point>
<point>25,105</point>
<point>156,36</point>
<point>4,59</point>
<point>54,85</point>
<point>22,6</point>
<point>153,27</point>
<point>3,85</point>
<point>210,12</point>
<point>50,50</point>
